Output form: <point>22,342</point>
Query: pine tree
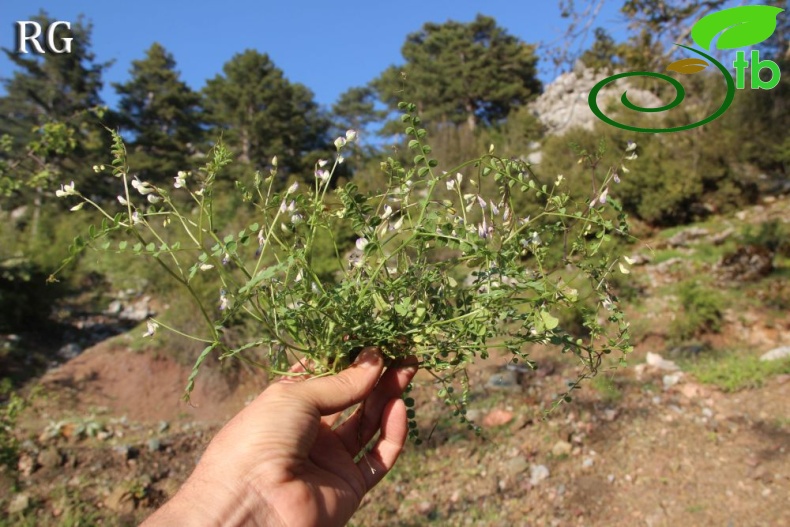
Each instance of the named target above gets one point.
<point>262,114</point>
<point>162,113</point>
<point>50,125</point>
<point>462,73</point>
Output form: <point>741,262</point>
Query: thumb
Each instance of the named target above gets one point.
<point>338,392</point>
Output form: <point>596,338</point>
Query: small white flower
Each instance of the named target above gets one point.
<point>122,200</point>
<point>629,261</point>
<point>292,188</point>
<point>291,206</point>
<point>136,218</point>
<point>494,209</point>
<point>274,161</point>
<point>559,180</point>
<point>225,259</point>
<point>224,303</point>
<point>631,156</point>
<point>602,197</point>
<point>299,276</point>
<point>206,266</point>
<point>459,178</point>
<point>152,327</point>
<point>96,168</point>
<point>296,219</point>
<point>506,214</point>
<point>607,303</point>
<point>361,243</point>
<point>616,177</point>
<point>340,160</point>
<point>624,169</point>
<point>322,175</point>
<point>397,225</point>
<point>283,207</point>
<point>351,135</point>
<point>154,199</point>
<point>199,192</point>
<point>340,142</point>
<point>623,269</point>
<point>450,184</point>
<point>322,163</point>
<point>77,207</point>
<point>387,212</point>
<point>142,186</point>
<point>66,190</point>
<point>261,238</point>
<point>482,202</point>
<point>180,180</point>
<point>631,146</point>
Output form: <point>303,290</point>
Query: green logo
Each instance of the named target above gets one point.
<point>739,27</point>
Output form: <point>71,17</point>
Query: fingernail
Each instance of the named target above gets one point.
<point>369,357</point>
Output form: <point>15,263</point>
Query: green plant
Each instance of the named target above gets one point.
<point>11,405</point>
<point>397,288</point>
<point>703,309</point>
<point>733,371</point>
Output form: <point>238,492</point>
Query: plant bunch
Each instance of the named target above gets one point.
<point>442,265</point>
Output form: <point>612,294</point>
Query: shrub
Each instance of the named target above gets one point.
<point>397,289</point>
<point>703,309</point>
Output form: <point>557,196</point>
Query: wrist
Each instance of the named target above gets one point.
<point>210,502</point>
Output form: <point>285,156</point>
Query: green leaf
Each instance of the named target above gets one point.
<point>150,247</point>
<point>549,321</point>
<point>739,26</point>
<point>413,144</point>
<point>122,245</point>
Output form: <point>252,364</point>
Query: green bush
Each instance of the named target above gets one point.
<point>703,309</point>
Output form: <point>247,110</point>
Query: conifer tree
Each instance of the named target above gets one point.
<point>462,73</point>
<point>262,114</point>
<point>162,113</point>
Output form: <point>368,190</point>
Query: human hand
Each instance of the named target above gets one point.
<point>282,461</point>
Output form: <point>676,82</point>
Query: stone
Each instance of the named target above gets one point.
<point>69,351</point>
<point>684,237</point>
<point>538,474</point>
<point>516,465</point>
<point>563,104</point>
<point>782,352</point>
<point>497,417</point>
<point>19,503</point>
<point>50,458</point>
<point>120,501</point>
<point>503,380</point>
<point>657,361</point>
<point>672,379</point>
<point>153,444</point>
<point>561,448</point>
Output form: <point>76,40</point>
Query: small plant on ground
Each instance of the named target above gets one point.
<point>703,311</point>
<point>441,268</point>
<point>733,371</point>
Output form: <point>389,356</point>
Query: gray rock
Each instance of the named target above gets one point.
<point>684,237</point>
<point>503,380</point>
<point>563,104</point>
<point>69,351</point>
<point>516,465</point>
<point>561,448</point>
<point>153,444</point>
<point>672,379</point>
<point>657,361</point>
<point>18,504</point>
<point>538,474</point>
<point>776,354</point>
<point>50,458</point>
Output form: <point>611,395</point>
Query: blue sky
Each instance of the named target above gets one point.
<point>328,46</point>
